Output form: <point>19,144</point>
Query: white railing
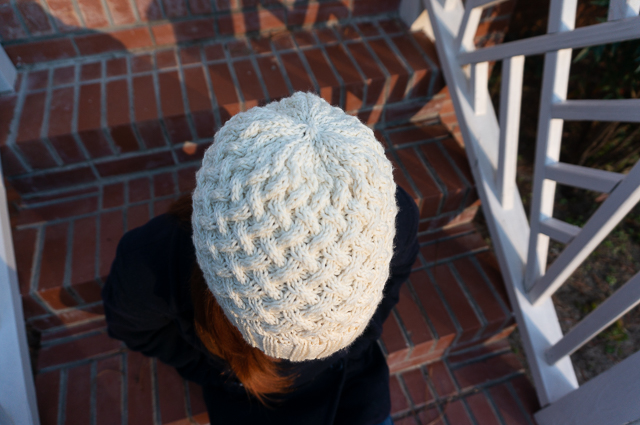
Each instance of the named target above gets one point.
<point>522,246</point>
<point>17,393</point>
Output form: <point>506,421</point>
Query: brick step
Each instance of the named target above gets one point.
<point>84,375</point>
<point>65,242</point>
<point>34,32</point>
<point>84,122</point>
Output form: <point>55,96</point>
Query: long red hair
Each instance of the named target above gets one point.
<point>258,373</point>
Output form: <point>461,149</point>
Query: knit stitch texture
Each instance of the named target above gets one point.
<point>294,219</point>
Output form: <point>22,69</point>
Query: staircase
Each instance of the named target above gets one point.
<point>107,128</point>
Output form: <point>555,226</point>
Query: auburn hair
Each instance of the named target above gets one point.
<point>258,373</point>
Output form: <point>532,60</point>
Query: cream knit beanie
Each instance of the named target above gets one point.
<point>293,224</point>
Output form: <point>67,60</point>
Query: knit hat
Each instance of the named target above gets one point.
<point>293,224</point>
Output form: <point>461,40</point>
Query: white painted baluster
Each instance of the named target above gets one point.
<point>510,105</point>
<point>554,89</point>
<point>479,87</point>
<point>620,9</point>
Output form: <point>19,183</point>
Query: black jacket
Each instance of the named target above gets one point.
<point>148,306</point>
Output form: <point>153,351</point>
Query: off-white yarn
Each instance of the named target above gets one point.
<point>294,219</point>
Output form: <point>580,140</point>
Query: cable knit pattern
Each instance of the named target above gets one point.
<point>294,219</point>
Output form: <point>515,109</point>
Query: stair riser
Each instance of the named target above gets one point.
<point>115,116</point>
<point>69,28</point>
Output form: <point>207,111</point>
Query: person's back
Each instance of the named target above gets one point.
<point>270,285</point>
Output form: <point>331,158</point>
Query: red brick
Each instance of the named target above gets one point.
<point>108,391</point>
<point>326,35</point>
<point>429,191</point>
<point>200,7</point>
<point>304,38</point>
<point>187,179</point>
<point>65,15</point>
<point>434,308</point>
<point>459,157</point>
<point>88,103</point>
<point>60,117</point>
<point>224,90</point>
<point>146,111</point>
<point>399,401</point>
<point>40,51</point>
<point>190,55</point>
<point>175,8</point>
<point>526,393</point>
<point>69,317</point>
<point>11,166</point>
<point>249,84</point>
<point>441,379</point>
<point>311,13</point>
<point>407,420</point>
<point>413,134</point>
<point>166,59</point>
<point>366,7</point>
<point>149,10</point>
<point>113,195</point>
<point>111,230</point>
<point>47,392</point>
<point>214,52</point>
<point>116,67</point>
<point>260,45</point>
<point>77,330</point>
<point>163,184</point>
<point>91,71</point>
<point>429,48</point>
<point>56,211</point>
<point>452,247</point>
<point>399,76</point>
<point>417,387</point>
<point>300,81</point>
<point>401,180</point>
<point>353,84</point>
<point>458,302</point>
<point>10,28</point>
<point>24,244</point>
<point>421,69</point>
<point>487,370</point>
<point>189,154</point>
<point>161,207</point>
<point>481,293</point>
<point>393,339</point>
<point>78,396</point>
<point>368,29</point>
<point>238,48</point>
<point>121,12</point>
<point>199,101</point>
<point>370,117</point>
<point>137,215</point>
<point>457,414</point>
<point>118,117</point>
<point>415,324</point>
<point>327,82</point>
<point>178,32</point>
<point>77,349</point>
<point>54,254</point>
<point>506,406</point>
<point>28,136</point>
<point>139,190</point>
<point>241,23</point>
<point>481,409</point>
<point>272,77</point>
<point>57,298</point>
<point>283,41</point>
<point>456,189</point>
<point>138,163</point>
<point>142,63</point>
<point>392,26</point>
<point>139,389</point>
<point>375,78</point>
<point>348,32</point>
<point>196,398</point>
<point>93,13</point>
<point>37,80</point>
<point>489,265</point>
<point>35,18</point>
<point>118,40</point>
<point>170,393</point>
<point>413,111</point>
<point>53,180</point>
<point>173,107</point>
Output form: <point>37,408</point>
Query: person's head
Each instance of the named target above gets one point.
<point>293,224</point>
